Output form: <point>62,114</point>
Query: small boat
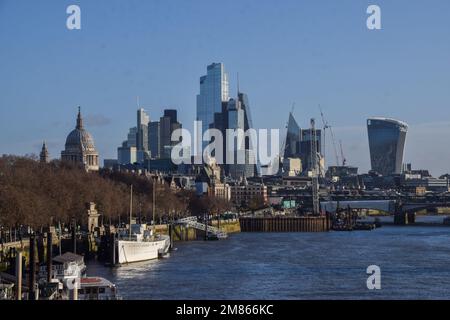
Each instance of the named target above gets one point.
<point>67,265</point>
<point>6,291</point>
<point>68,271</point>
<point>364,226</point>
<point>446,221</point>
<point>97,288</point>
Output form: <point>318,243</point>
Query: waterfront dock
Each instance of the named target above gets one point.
<point>285,224</point>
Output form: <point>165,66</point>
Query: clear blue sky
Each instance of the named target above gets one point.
<point>310,52</point>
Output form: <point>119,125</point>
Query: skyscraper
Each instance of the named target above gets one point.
<point>142,135</point>
<point>251,164</point>
<point>305,147</point>
<point>154,139</point>
<point>236,115</point>
<point>167,124</point>
<point>213,91</point>
<point>127,153</point>
<point>131,137</point>
<point>386,142</point>
<point>293,138</point>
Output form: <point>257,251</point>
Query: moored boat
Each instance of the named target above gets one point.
<point>141,245</point>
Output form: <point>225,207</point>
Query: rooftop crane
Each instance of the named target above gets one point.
<point>325,127</point>
<point>344,161</point>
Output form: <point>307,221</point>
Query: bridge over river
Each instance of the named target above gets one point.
<point>403,211</point>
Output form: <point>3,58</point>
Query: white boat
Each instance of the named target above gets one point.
<point>141,246</point>
<point>139,243</point>
<point>97,288</point>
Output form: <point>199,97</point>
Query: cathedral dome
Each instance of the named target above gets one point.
<point>79,138</point>
<point>80,147</point>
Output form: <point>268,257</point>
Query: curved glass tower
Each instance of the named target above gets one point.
<point>386,142</point>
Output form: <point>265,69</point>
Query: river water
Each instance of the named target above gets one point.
<point>414,262</point>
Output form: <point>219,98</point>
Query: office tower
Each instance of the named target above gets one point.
<point>293,139</point>
<point>132,137</point>
<point>126,154</point>
<point>142,135</point>
<point>305,148</point>
<point>386,143</point>
<point>234,117</point>
<point>153,139</point>
<point>249,145</point>
<point>213,91</point>
<point>167,124</point>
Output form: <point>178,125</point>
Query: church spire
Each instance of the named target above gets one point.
<point>79,120</point>
<point>44,155</point>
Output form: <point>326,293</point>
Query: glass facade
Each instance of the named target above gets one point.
<point>292,145</point>
<point>213,91</point>
<point>386,142</point>
<point>237,119</point>
<point>142,135</point>
<point>153,139</point>
<point>305,147</point>
<point>167,125</point>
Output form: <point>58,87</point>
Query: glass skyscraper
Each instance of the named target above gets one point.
<point>305,147</point>
<point>386,142</point>
<point>213,91</point>
<point>167,125</point>
<point>154,139</point>
<point>142,135</point>
<point>237,117</point>
<point>293,138</point>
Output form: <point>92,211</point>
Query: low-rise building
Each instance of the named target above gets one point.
<point>244,193</point>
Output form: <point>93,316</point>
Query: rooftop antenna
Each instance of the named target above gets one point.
<point>238,84</point>
<point>138,102</point>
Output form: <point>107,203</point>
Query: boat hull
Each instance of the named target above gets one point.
<point>135,251</point>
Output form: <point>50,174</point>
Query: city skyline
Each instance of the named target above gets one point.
<point>90,69</point>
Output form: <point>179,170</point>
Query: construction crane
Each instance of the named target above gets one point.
<point>314,169</point>
<point>325,127</point>
<point>344,161</point>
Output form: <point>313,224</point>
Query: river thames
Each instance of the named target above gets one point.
<point>414,262</point>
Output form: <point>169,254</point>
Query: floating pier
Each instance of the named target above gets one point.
<point>285,224</point>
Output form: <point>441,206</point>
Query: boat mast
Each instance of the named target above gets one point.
<point>131,209</point>
<point>153,209</point>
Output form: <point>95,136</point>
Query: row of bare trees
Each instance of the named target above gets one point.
<point>36,195</point>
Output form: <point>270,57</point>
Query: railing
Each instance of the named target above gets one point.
<point>192,222</point>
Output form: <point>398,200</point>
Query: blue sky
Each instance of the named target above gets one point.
<point>307,52</point>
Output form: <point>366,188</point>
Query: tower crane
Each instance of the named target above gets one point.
<point>325,127</point>
<point>344,161</point>
<point>314,169</point>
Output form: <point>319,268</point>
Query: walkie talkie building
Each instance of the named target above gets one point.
<point>386,142</point>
